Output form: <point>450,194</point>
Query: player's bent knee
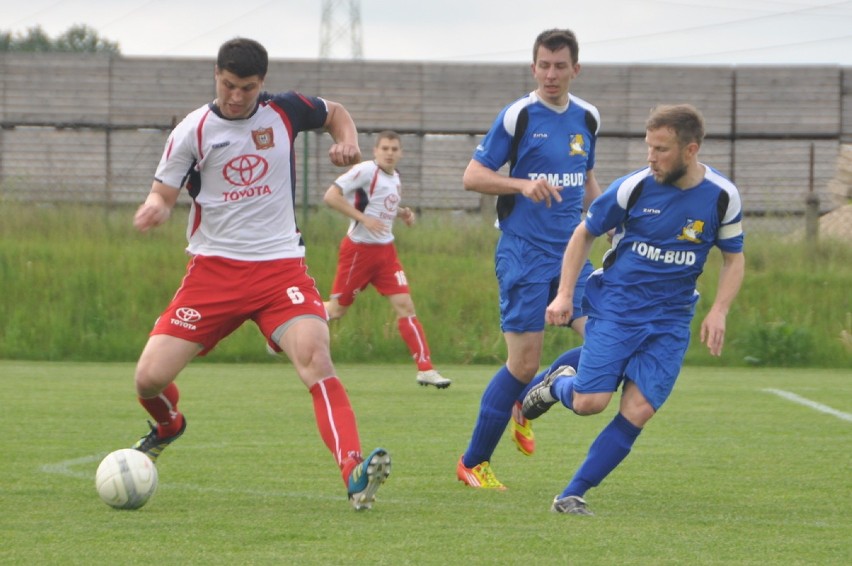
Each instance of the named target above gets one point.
<point>151,377</point>
<point>590,404</point>
<point>149,384</point>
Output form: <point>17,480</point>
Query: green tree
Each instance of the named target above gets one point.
<point>34,40</point>
<point>77,39</point>
<point>83,39</point>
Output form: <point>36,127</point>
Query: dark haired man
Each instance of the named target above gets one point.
<point>548,139</point>
<point>234,156</point>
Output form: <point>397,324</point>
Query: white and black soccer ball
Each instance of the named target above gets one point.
<point>126,479</point>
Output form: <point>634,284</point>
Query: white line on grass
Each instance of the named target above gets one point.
<point>812,404</point>
<point>64,468</point>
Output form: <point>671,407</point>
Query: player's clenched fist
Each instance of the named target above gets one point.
<point>343,154</point>
<point>559,311</point>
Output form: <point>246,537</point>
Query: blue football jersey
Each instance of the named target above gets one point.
<point>558,146</point>
<point>662,239</point>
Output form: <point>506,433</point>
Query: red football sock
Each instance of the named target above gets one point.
<point>336,423</point>
<point>163,408</point>
<point>412,333</point>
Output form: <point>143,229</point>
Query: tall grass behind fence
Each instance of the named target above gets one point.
<point>78,283</point>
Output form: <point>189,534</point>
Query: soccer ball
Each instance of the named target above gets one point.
<point>126,479</point>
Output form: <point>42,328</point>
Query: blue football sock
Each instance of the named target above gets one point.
<point>567,358</point>
<point>611,446</point>
<point>563,389</point>
<point>495,410</point>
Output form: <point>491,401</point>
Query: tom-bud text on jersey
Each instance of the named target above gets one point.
<point>577,179</point>
<point>665,256</point>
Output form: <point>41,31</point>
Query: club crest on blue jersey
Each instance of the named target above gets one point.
<point>263,138</point>
<point>692,231</point>
<point>577,145</point>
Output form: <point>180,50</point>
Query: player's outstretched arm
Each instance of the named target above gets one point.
<point>730,279</point>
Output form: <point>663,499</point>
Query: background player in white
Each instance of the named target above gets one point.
<point>667,218</point>
<point>548,137</point>
<point>369,195</point>
<point>235,158</point>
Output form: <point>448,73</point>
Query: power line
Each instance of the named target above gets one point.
<point>710,26</point>
<point>753,49</point>
<point>224,25</point>
<point>37,13</point>
<point>798,11</point>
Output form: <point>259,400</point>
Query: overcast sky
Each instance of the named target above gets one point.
<point>684,32</point>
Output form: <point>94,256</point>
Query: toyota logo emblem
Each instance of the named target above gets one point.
<point>391,202</point>
<point>245,170</point>
<point>187,314</point>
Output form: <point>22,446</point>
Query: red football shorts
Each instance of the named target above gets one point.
<point>218,294</point>
<point>359,265</point>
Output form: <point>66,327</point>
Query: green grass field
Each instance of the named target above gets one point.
<point>727,473</point>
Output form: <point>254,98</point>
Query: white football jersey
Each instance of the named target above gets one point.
<point>241,177</point>
<point>375,193</point>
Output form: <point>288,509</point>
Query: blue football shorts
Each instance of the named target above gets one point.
<point>528,280</point>
<point>650,355</point>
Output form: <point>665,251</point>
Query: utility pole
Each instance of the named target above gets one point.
<point>341,24</point>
